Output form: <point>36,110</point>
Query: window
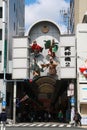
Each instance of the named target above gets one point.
<point>14,26</point>
<point>0,12</point>
<point>0,34</point>
<point>0,56</point>
<point>14,7</point>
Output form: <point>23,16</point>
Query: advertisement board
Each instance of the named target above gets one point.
<point>83,93</point>
<point>84,120</point>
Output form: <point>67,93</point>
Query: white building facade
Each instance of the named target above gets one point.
<point>24,61</point>
<point>20,62</point>
<point>71,56</point>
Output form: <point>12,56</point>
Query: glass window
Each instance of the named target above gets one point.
<point>0,56</point>
<point>14,7</point>
<point>14,26</point>
<point>0,34</point>
<point>0,12</point>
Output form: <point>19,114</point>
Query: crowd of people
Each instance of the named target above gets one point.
<point>40,116</point>
<point>46,116</point>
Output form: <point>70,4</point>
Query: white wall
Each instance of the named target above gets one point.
<point>20,58</point>
<point>67,71</point>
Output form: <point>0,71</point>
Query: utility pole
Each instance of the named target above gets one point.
<point>4,53</point>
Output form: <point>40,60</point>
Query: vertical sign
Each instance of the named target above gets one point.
<point>67,53</point>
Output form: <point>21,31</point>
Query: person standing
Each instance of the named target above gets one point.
<point>60,116</point>
<point>3,117</point>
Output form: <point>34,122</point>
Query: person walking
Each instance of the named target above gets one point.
<point>77,118</point>
<point>3,118</point>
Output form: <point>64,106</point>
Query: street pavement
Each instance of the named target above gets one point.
<point>42,125</point>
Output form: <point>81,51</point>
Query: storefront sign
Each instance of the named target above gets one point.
<point>83,93</point>
<point>3,103</point>
<point>84,120</point>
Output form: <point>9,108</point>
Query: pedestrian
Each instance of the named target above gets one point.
<point>49,116</point>
<point>60,116</point>
<point>3,118</point>
<point>67,115</point>
<point>77,118</point>
<point>45,116</point>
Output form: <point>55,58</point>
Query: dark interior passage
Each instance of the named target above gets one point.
<point>46,96</point>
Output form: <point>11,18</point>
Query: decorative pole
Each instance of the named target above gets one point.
<point>4,53</point>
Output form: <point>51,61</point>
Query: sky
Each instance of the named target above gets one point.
<point>36,10</point>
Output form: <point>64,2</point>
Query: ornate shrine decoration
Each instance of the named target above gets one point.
<point>36,48</point>
<point>52,47</point>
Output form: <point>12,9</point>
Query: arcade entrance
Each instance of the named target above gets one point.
<point>45,96</point>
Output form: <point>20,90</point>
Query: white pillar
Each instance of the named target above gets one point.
<point>14,103</point>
